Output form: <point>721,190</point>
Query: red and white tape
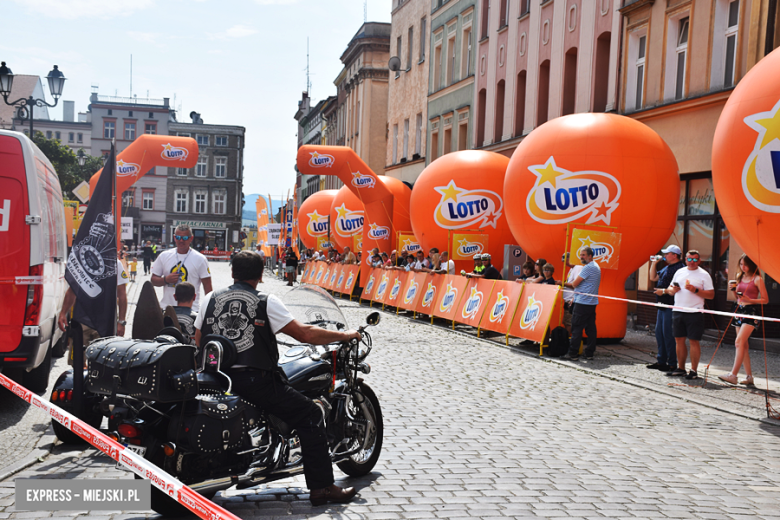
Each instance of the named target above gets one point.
<point>190,499</point>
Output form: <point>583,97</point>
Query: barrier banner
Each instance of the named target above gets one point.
<point>605,245</point>
<point>325,277</point>
<point>130,460</point>
<point>313,266</point>
<point>430,293</point>
<point>407,242</point>
<point>396,288</point>
<point>320,273</point>
<point>465,245</point>
<point>383,285</point>
<point>501,306</point>
<point>305,275</point>
<point>372,281</point>
<point>335,269</point>
<point>449,296</point>
<point>535,312</point>
<point>472,306</point>
<point>350,278</point>
<point>342,275</point>
<point>415,285</point>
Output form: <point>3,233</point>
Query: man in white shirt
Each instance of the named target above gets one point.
<point>690,288</point>
<point>447,265</point>
<point>181,264</point>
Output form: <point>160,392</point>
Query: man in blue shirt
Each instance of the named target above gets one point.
<point>664,337</point>
<point>584,313</point>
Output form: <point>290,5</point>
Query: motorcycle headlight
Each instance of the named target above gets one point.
<point>364,367</point>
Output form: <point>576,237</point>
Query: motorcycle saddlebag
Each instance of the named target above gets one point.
<point>150,370</point>
<point>214,424</point>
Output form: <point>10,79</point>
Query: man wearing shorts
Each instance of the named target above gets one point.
<point>690,287</point>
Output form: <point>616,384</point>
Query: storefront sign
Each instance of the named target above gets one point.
<point>127,228</point>
<point>200,224</point>
<point>154,230</point>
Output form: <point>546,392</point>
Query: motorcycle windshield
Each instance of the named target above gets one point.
<point>311,305</point>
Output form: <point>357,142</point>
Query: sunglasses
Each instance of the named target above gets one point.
<point>181,237</point>
<point>693,259</point>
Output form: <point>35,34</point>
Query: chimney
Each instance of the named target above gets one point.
<point>68,111</point>
<point>166,102</point>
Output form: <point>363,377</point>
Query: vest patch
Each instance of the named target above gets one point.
<point>234,311</point>
<point>260,323</point>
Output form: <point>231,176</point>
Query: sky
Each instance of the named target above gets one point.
<point>236,62</point>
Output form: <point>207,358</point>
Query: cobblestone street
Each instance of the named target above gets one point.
<point>474,430</point>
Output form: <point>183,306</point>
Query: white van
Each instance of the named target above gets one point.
<point>33,254</point>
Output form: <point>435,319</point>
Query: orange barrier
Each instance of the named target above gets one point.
<point>352,273</point>
<point>335,269</point>
<point>320,272</point>
<point>474,301</point>
<point>307,272</point>
<point>398,282</point>
<point>430,294</point>
<point>383,285</point>
<point>339,285</point>
<point>537,310</point>
<point>413,290</point>
<point>372,281</point>
<point>449,297</point>
<point>501,307</point>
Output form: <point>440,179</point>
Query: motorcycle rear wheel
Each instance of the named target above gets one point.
<point>362,462</point>
<point>161,503</point>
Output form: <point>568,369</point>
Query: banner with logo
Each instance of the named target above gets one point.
<point>262,225</point>
<point>146,152</point>
<point>340,277</point>
<point>412,290</point>
<point>313,272</point>
<point>372,281</point>
<point>384,282</point>
<point>407,242</point>
<point>350,278</point>
<point>323,243</point>
<point>537,306</point>
<point>357,243</point>
<point>474,302</point>
<point>314,218</point>
<point>465,245</point>
<point>396,287</point>
<point>325,277</point>
<point>605,245</point>
<point>320,273</point>
<point>501,306</point>
<point>450,295</point>
<point>431,291</point>
<point>335,269</point>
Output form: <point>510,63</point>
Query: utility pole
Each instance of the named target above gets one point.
<point>308,80</point>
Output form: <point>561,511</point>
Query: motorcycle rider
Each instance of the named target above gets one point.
<point>253,319</point>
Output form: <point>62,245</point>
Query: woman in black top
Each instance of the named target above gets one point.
<point>291,266</point>
<point>547,272</point>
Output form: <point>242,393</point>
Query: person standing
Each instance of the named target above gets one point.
<point>181,264</point>
<point>751,294</point>
<point>666,359</point>
<point>690,288</point>
<point>291,266</point>
<point>446,266</point>
<point>586,287</point>
<point>147,255</point>
<point>261,252</point>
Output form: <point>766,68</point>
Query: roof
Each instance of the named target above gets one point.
<point>22,87</point>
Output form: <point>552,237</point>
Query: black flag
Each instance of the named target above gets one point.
<point>92,263</point>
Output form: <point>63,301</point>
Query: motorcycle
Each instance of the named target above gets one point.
<point>213,440</point>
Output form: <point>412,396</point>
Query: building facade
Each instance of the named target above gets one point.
<point>538,61</point>
<point>311,130</point>
<point>362,86</point>
<point>407,105</point>
<point>24,86</point>
<point>451,69</point>
<point>208,197</point>
<point>124,119</point>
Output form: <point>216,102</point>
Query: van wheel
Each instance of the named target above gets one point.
<point>37,379</point>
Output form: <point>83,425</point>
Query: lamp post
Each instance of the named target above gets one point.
<point>56,82</point>
<point>81,157</point>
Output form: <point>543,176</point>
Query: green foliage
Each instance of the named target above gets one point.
<point>66,163</point>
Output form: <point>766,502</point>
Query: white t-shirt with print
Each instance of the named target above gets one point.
<point>122,277</point>
<point>278,314</point>
<point>700,279</point>
<point>193,267</point>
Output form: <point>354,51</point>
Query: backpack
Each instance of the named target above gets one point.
<point>559,342</point>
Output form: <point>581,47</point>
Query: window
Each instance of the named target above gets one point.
<point>485,12</point>
<point>130,113</point>
<point>150,128</point>
<point>395,144</point>
<point>640,72</point>
<point>637,52</point>
<point>201,167</point>
<point>182,134</point>
<point>406,139</point>
<point>601,72</point>
<point>409,50</point>
<point>437,68</point>
<point>48,134</point>
<point>110,112</point>
<point>181,172</point>
<point>200,201</point>
<point>57,135</point>
<point>732,27</point>
<point>71,136</point>
<point>219,202</point>
<point>465,53</point>
<point>129,131</point>
<point>148,200</point>
<point>418,135</point>
<point>498,125</point>
<point>423,37</point>
<point>544,93</point>
<point>434,146</point>
<point>221,140</point>
<point>525,7</point>
<point>109,127</point>
<point>398,53</point>
<point>79,138</point>
<point>182,198</point>
<point>151,115</point>
<point>504,13</point>
<point>463,136</point>
<point>451,59</point>
<point>128,198</point>
<point>481,108</point>
<point>357,119</point>
<point>569,81</point>
<point>220,167</point>
<point>682,55</point>
<point>203,140</point>
<point>520,103</point>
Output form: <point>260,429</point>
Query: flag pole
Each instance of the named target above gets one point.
<point>117,218</point>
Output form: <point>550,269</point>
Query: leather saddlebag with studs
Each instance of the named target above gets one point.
<point>214,424</point>
<point>156,370</point>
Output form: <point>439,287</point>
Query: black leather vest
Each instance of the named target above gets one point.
<point>239,313</point>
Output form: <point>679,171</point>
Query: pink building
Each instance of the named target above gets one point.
<point>537,61</point>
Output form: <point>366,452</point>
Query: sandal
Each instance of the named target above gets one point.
<point>729,378</point>
<point>748,381</point>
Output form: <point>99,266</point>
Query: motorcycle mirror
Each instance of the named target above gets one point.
<point>373,318</point>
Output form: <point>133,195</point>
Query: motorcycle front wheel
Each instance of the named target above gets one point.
<point>362,462</point>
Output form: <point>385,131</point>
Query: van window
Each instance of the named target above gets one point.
<point>52,208</point>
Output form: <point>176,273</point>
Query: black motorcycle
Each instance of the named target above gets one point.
<point>180,415</point>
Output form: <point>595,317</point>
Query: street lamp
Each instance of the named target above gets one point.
<point>81,157</point>
<point>56,81</point>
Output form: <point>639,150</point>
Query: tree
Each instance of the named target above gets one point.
<point>66,163</point>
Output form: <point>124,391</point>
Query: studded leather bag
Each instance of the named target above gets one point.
<point>214,424</point>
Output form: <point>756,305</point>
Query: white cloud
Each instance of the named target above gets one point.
<point>74,9</point>
<point>237,31</point>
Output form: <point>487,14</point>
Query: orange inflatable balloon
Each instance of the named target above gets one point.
<point>313,217</point>
<point>746,164</point>
<point>462,193</point>
<point>347,215</point>
<point>594,169</point>
<point>402,195</point>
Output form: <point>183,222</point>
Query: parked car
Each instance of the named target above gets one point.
<point>33,253</point>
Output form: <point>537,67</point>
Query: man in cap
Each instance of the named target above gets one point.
<point>666,359</point>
